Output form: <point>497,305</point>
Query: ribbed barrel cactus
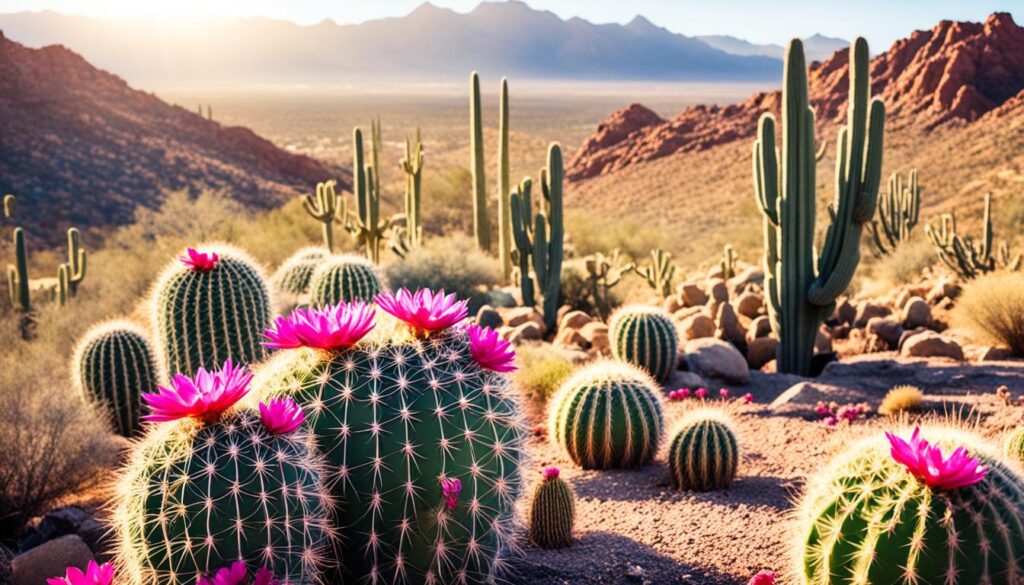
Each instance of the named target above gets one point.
<point>214,483</point>
<point>1015,444</point>
<point>645,337</point>
<point>552,511</point>
<point>112,365</point>
<point>344,278</point>
<point>292,278</point>
<point>703,454</point>
<point>421,432</point>
<point>210,306</point>
<point>935,509</point>
<point>607,415</point>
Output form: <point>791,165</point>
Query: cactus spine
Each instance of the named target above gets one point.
<point>645,337</point>
<point>898,212</point>
<point>866,519</point>
<point>9,206</point>
<point>411,236</point>
<point>607,415</point>
<point>962,254</point>
<point>552,512</point>
<point>659,273</point>
<point>799,293</point>
<point>603,273</point>
<point>481,225</point>
<point>704,453</point>
<point>344,278</point>
<point>322,206</point>
<point>17,275</point>
<point>728,263</point>
<point>504,192</point>
<point>113,363</point>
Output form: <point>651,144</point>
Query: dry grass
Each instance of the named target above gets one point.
<point>992,307</point>
<point>540,372</point>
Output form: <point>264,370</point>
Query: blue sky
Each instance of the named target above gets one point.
<point>755,20</point>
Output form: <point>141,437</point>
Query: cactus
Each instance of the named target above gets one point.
<point>481,225</point>
<point>344,278</point>
<point>965,257</point>
<point>728,263</point>
<point>898,212</point>
<point>603,273</point>
<point>195,497</point>
<point>867,519</point>
<point>703,453</point>
<point>607,415</point>
<point>9,206</point>
<point>200,318</point>
<point>543,242</point>
<point>367,227</point>
<point>71,274</point>
<point>1014,446</point>
<point>802,285</point>
<point>425,446</point>
<point>323,207</point>
<point>552,511</point>
<point>645,337</point>
<point>900,399</point>
<point>411,236</point>
<point>659,273</point>
<point>113,363</point>
<point>17,275</point>
<point>293,276</point>
<point>504,188</point>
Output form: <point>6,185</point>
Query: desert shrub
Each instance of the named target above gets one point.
<point>901,399</point>
<point>449,209</point>
<point>992,307</point>
<point>590,233</point>
<point>907,265</point>
<point>453,264</point>
<point>541,371</point>
<point>576,291</point>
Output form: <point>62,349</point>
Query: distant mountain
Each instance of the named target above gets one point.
<point>816,47</point>
<point>430,43</point>
<point>80,147</point>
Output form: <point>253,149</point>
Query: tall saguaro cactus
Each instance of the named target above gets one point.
<point>802,285</point>
<point>504,207</point>
<point>72,273</point>
<point>367,228</point>
<point>659,273</point>
<point>17,274</point>
<point>412,165</point>
<point>481,226</point>
<point>962,254</point>
<point>322,206</point>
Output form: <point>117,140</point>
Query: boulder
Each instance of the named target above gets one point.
<point>714,358</point>
<point>823,340</point>
<point>692,295</point>
<point>728,325</point>
<point>902,298</point>
<point>571,338</point>
<point>866,310</point>
<point>748,277</point>
<point>760,351</point>
<point>932,344</point>
<point>845,312</point>
<point>943,290</point>
<point>596,334</point>
<point>760,327</point>
<point>672,303</point>
<point>886,329</point>
<point>749,304</point>
<point>528,331</point>
<point>487,316</point>
<point>519,315</point>
<point>717,290</point>
<point>682,314</point>
<point>916,313</point>
<point>697,326</point>
<point>68,520</point>
<point>684,379</point>
<point>574,320</point>
<point>994,354</point>
<point>50,559</point>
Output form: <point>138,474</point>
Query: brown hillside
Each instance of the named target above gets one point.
<point>80,147</point>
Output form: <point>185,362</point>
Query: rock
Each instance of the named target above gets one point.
<point>561,312</point>
<point>692,295</point>
<point>68,520</point>
<point>845,312</point>
<point>760,327</point>
<point>760,351</point>
<point>571,338</point>
<point>745,279</point>
<point>6,556</point>
<point>802,396</point>
<point>932,344</point>
<point>682,314</point>
<point>672,303</point>
<point>907,334</point>
<point>684,379</point>
<point>867,310</point>
<point>902,298</point>
<point>749,304</point>
<point>728,325</point>
<point>487,316</point>
<point>886,329</point>
<point>519,315</point>
<point>943,290</point>
<point>714,358</point>
<point>50,559</point>
<point>916,313</point>
<point>504,298</point>
<point>596,334</point>
<point>717,290</point>
<point>822,341</point>
<point>697,326</point>
<point>528,331</point>
<point>994,354</point>
<point>574,320</point>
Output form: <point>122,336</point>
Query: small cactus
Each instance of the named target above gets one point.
<point>659,272</point>
<point>293,276</point>
<point>344,278</point>
<point>963,255</point>
<point>603,273</point>
<point>899,399</point>
<point>728,263</point>
<point>71,274</point>
<point>552,511</point>
<point>323,207</point>
<point>645,337</point>
<point>9,206</point>
<point>1014,448</point>
<point>898,211</point>
<point>17,275</point>
<point>703,454</point>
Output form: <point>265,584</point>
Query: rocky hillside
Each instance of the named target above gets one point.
<point>954,73</point>
<point>80,147</point>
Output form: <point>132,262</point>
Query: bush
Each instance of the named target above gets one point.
<point>992,307</point>
<point>576,291</point>
<point>541,371</point>
<point>904,266</point>
<point>453,264</point>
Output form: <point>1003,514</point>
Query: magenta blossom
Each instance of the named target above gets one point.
<point>701,393</point>
<point>265,577</point>
<point>281,415</point>
<point>332,328</point>
<point>926,463</point>
<point>94,574</point>
<point>724,393</point>
<point>489,350</point>
<point>204,397</point>
<point>199,261</point>
<point>680,394</point>
<point>450,489</point>
<point>551,473</point>
<point>748,398</point>
<point>424,311</point>
<point>237,574</point>
<point>763,578</point>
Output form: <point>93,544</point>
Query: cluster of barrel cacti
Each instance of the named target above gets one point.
<point>963,255</point>
<point>898,210</point>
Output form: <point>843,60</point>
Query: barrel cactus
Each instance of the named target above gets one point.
<point>909,512</point>
<point>645,337</point>
<point>208,307</point>
<point>552,511</point>
<point>420,430</point>
<point>344,278</point>
<point>214,484</point>
<point>607,415</point>
<point>703,454</point>
<point>1015,445</point>
<point>113,363</point>
<point>292,278</point>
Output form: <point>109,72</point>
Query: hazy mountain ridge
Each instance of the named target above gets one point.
<point>817,47</point>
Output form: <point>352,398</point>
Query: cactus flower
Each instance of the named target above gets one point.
<point>236,574</point>
<point>331,328</point>
<point>763,578</point>
<point>95,574</point>
<point>701,393</point>
<point>265,577</point>
<point>724,393</point>
<point>450,489</point>
<point>748,398</point>
<point>489,350</point>
<point>927,463</point>
<point>205,396</point>
<point>281,415</point>
<point>551,473</point>
<point>424,311</point>
<point>199,261</point>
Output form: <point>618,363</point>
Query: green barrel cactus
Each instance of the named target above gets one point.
<point>646,338</point>
<point>869,519</point>
<point>292,278</point>
<point>210,306</point>
<point>344,278</point>
<point>703,454</point>
<point>607,415</point>
<point>112,365</point>
<point>552,511</point>
<point>1015,445</point>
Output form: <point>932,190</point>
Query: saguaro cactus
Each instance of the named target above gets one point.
<point>71,274</point>
<point>481,225</point>
<point>728,263</point>
<point>603,273</point>
<point>962,254</point>
<point>322,206</point>
<point>799,292</point>
<point>367,227</point>
<point>17,275</point>
<point>412,164</point>
<point>659,273</point>
<point>9,206</point>
<point>504,193</point>
<point>898,212</point>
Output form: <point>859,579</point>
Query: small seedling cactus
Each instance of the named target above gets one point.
<point>607,415</point>
<point>344,278</point>
<point>703,454</point>
<point>552,511</point>
<point>645,337</point>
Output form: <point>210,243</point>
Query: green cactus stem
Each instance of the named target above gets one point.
<point>481,225</point>
<point>645,337</point>
<point>504,192</point>
<point>728,263</point>
<point>323,207</point>
<point>521,207</point>
<point>962,254</point>
<point>659,273</point>
<point>9,206</point>
<point>603,273</point>
<point>412,164</point>
<point>344,278</point>
<point>552,512</point>
<point>367,228</point>
<point>802,285</point>
<point>703,454</point>
<point>75,267</point>
<point>17,275</point>
<point>898,211</point>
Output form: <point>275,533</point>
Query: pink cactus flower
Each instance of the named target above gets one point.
<point>551,473</point>
<point>204,397</point>
<point>831,421</point>
<point>748,398</point>
<point>95,574</point>
<point>489,350</point>
<point>763,578</point>
<point>701,393</point>
<point>424,311</point>
<point>199,261</point>
<point>450,489</point>
<point>724,393</point>
<point>823,410</point>
<point>331,328</point>
<point>684,393</point>
<point>265,577</point>
<point>926,463</point>
<point>236,574</point>
<point>281,415</point>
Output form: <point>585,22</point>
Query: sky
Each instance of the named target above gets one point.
<point>760,21</point>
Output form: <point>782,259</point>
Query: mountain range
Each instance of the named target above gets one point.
<point>816,47</point>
